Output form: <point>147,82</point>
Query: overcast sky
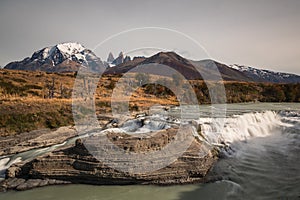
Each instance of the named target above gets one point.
<point>263,34</point>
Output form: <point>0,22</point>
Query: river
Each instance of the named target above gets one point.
<point>261,161</point>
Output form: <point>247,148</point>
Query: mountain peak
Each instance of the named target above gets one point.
<point>167,54</point>
<point>70,47</point>
<point>67,56</point>
<point>110,57</point>
<point>119,60</point>
<point>167,58</point>
<point>60,52</point>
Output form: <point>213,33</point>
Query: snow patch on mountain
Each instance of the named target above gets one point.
<point>266,75</point>
<point>70,48</point>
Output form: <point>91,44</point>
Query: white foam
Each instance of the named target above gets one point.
<point>241,128</point>
<point>16,160</point>
<point>3,163</point>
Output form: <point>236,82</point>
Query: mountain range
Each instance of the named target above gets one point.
<point>69,57</point>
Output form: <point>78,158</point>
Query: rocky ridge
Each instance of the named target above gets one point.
<point>35,139</point>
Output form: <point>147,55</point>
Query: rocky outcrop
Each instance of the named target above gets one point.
<point>35,139</point>
<point>76,165</point>
<point>110,58</point>
<point>119,60</point>
<point>26,184</point>
<point>127,59</point>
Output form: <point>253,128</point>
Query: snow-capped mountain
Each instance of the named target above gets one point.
<point>262,75</point>
<point>62,57</point>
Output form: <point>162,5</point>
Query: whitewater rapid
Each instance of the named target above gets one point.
<point>242,127</point>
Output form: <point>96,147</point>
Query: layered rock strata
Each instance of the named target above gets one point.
<point>76,165</point>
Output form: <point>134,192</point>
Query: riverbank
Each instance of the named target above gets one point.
<point>35,139</point>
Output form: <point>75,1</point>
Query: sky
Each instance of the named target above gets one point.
<point>259,33</point>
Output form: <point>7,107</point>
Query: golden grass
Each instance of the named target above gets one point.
<point>25,103</point>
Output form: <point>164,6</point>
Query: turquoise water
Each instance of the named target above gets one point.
<point>87,192</point>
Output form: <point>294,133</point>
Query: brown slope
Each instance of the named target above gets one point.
<point>185,67</point>
<point>169,59</point>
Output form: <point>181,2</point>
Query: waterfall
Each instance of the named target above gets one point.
<point>241,127</point>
